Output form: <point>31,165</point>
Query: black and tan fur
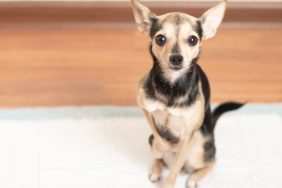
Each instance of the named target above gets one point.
<point>175,97</point>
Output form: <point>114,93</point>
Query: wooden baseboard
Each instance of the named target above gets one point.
<point>120,12</point>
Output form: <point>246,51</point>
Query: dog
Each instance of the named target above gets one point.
<point>175,94</point>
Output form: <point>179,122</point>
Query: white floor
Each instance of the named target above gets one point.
<point>106,147</point>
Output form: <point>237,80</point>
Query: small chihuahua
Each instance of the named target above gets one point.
<point>175,94</point>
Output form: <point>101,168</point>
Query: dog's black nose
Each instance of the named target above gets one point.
<point>176,59</point>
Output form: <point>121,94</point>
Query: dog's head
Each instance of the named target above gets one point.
<point>176,37</point>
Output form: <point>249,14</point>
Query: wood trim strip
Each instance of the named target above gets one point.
<point>120,12</point>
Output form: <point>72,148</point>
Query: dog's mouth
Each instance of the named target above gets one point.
<point>176,67</point>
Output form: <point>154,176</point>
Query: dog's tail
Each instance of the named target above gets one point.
<point>222,108</point>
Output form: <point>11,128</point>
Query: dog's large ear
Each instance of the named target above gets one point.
<point>211,20</point>
<point>143,16</point>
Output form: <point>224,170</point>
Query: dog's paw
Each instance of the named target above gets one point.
<point>154,176</point>
<point>168,185</point>
<point>191,184</point>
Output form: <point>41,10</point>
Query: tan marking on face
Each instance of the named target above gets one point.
<point>176,27</point>
<point>163,52</point>
<point>189,52</point>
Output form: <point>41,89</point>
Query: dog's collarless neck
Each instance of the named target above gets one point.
<point>159,88</point>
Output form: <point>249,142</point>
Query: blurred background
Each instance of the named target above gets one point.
<point>58,53</point>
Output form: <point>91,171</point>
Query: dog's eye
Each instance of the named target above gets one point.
<point>160,40</point>
<point>192,40</point>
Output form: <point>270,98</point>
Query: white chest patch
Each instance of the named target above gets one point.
<point>152,105</point>
<point>179,120</point>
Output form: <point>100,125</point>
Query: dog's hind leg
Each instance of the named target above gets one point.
<point>192,181</point>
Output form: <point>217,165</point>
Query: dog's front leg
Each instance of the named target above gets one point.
<point>179,161</point>
<point>159,143</point>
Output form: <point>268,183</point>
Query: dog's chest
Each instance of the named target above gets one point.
<point>173,123</point>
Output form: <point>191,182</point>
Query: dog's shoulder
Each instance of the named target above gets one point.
<point>140,90</point>
<point>205,85</point>
<point>142,81</point>
<point>144,99</point>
